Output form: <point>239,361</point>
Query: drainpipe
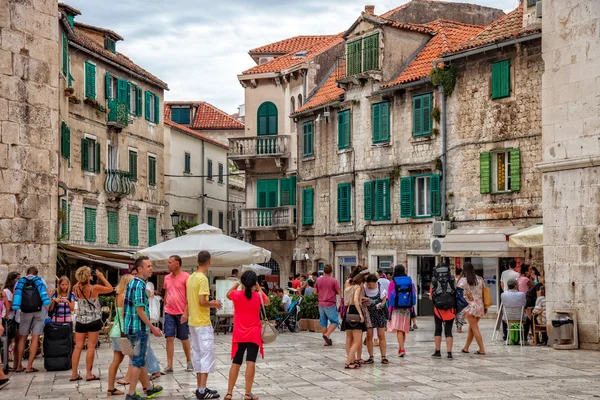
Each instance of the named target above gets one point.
<point>203,179</point>
<point>444,146</point>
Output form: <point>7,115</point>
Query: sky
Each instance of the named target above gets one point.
<point>199,47</point>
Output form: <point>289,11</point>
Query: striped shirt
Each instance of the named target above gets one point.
<point>135,296</point>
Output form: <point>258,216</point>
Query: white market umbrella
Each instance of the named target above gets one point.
<point>225,250</point>
<point>259,269</point>
<point>530,237</point>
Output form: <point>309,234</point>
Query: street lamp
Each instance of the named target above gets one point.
<point>175,222</point>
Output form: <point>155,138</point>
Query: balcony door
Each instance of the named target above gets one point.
<point>266,198</point>
<point>267,125</point>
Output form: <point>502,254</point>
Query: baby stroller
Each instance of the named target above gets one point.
<point>288,321</point>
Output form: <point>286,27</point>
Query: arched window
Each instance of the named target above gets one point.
<point>293,104</point>
<point>299,100</point>
<point>267,119</point>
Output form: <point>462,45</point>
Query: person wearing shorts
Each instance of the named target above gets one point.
<point>201,330</point>
<point>176,313</point>
<point>327,289</point>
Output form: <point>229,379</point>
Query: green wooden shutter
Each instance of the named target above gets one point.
<point>308,139</point>
<point>107,85</point>
<point>151,171</point>
<point>209,217</point>
<point>133,165</point>
<point>156,109</point>
<point>344,212</point>
<point>485,169</point>
<point>90,225</point>
<point>147,105</point>
<point>221,219</point>
<point>65,140</point>
<point>151,231</point>
<point>368,199</point>
<point>113,227</point>
<point>65,55</point>
<point>354,58</point>
<point>426,113</point>
<point>263,120</point>
<point>129,87</point>
<point>382,199</point>
<point>266,193</point>
<point>406,197</point>
<point>133,230</point>
<point>501,79</point>
<point>371,52</point>
<point>417,116</point>
<point>434,185</point>
<point>187,163</point>
<point>138,96</point>
<point>220,173</point>
<point>64,222</point>
<point>90,80</point>
<point>93,218</point>
<point>307,206</point>
<point>210,175</point>
<point>293,191</point>
<point>97,159</point>
<point>84,154</point>
<point>285,191</point>
<point>385,122</point>
<point>376,122</point>
<point>515,169</point>
<point>344,129</point>
<point>86,224</point>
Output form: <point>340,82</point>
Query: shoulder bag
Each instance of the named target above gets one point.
<point>269,332</point>
<point>126,347</point>
<point>487,295</point>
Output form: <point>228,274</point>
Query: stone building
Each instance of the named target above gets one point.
<point>373,189</point>
<point>570,163</point>
<point>112,158</point>
<point>28,145</point>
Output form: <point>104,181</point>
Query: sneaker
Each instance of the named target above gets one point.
<point>415,326</point>
<point>4,382</point>
<point>135,396</point>
<point>401,353</point>
<point>450,354</point>
<point>167,370</point>
<point>208,394</point>
<point>190,367</point>
<point>154,391</point>
<point>437,354</point>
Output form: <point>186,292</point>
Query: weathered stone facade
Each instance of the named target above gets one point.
<point>571,155</point>
<point>28,144</point>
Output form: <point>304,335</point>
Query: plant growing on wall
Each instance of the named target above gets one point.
<point>445,77</point>
<point>436,114</point>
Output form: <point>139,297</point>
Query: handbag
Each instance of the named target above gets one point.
<point>487,297</point>
<point>352,318</point>
<point>269,332</point>
<point>124,342</point>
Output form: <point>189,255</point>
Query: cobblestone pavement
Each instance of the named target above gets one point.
<point>297,366</point>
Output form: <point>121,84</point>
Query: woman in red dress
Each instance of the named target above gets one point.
<point>247,331</point>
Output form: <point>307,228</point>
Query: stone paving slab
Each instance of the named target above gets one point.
<point>297,366</point>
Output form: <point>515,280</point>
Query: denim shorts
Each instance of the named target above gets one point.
<point>174,327</point>
<point>139,343</point>
<point>328,314</point>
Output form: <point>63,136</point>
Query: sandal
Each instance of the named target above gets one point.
<point>464,351</point>
<point>93,378</point>
<point>351,366</point>
<point>385,361</point>
<point>360,361</point>
<point>479,353</point>
<point>155,376</point>
<point>31,371</point>
<point>19,370</point>
<point>250,396</point>
<point>115,392</point>
<point>369,361</point>
<point>122,382</point>
<point>77,378</point>
<point>228,396</point>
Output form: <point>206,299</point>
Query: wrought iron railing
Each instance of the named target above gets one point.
<point>118,113</point>
<point>118,182</point>
<point>258,218</point>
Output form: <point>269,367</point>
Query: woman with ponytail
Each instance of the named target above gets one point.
<point>247,330</point>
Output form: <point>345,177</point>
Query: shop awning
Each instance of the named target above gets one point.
<point>480,242</point>
<point>528,237</point>
<point>115,258</point>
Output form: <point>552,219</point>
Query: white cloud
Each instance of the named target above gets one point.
<point>199,47</point>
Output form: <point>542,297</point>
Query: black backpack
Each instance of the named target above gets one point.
<point>31,301</point>
<point>444,291</point>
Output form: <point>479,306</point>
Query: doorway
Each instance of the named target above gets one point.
<point>347,264</point>
<point>425,266</point>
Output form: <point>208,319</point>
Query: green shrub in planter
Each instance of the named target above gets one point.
<point>309,308</point>
<point>274,308</point>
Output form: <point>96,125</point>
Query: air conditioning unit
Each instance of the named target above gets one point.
<point>440,228</point>
<point>435,245</point>
<point>299,254</point>
<point>538,9</point>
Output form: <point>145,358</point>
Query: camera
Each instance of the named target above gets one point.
<point>94,276</point>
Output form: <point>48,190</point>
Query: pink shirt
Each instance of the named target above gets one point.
<point>327,290</point>
<point>176,297</point>
<point>246,320</point>
<point>522,284</point>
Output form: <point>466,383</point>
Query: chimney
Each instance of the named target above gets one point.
<point>370,10</point>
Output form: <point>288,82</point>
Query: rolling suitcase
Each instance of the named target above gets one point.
<point>58,346</point>
<point>4,353</point>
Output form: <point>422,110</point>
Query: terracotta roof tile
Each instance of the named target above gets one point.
<point>507,27</point>
<point>423,28</point>
<point>207,116</point>
<point>327,93</point>
<point>193,132</point>
<point>80,38</point>
<point>70,9</point>
<point>294,44</point>
<point>448,35</point>
<point>290,59</point>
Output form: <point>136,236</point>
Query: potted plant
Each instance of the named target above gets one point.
<point>69,91</point>
<point>73,99</point>
<point>309,311</point>
<point>273,309</point>
<point>89,102</point>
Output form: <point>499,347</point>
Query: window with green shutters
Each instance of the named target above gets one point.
<point>133,230</point>
<point>266,191</point>
<point>134,99</point>
<point>371,53</point>
<point>65,219</point>
<point>500,171</point>
<point>181,115</point>
<point>90,155</point>
<point>501,79</point>
<point>377,200</point>
<point>133,170</point>
<point>151,231</point>
<point>233,226</point>
<point>152,111</point>
<point>221,219</point>
<point>209,171</point>
<point>220,180</point>
<point>380,121</point>
<point>267,119</point>
<point>287,192</point>
<point>65,141</point>
<point>113,227</point>
<point>308,207</point>
<point>209,219</point>
<point>308,137</point>
<point>110,45</point>
<point>422,115</point>
<point>344,129</point>
<point>354,57</point>
<point>89,224</point>
<point>90,80</point>
<point>65,55</point>
<point>420,196</point>
<point>187,164</point>
<point>151,170</point>
<point>362,55</point>
<point>344,200</point>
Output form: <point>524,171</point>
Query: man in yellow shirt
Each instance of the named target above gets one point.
<point>201,331</point>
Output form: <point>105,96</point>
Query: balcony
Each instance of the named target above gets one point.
<point>245,152</point>
<point>118,183</point>
<point>280,218</point>
<point>118,116</point>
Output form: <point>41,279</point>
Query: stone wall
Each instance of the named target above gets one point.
<point>28,136</point>
<point>571,155</point>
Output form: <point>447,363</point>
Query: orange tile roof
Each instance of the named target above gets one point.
<point>449,35</point>
<point>294,44</point>
<point>207,116</point>
<point>290,59</point>
<point>423,28</point>
<point>192,132</point>
<point>507,27</point>
<point>327,93</point>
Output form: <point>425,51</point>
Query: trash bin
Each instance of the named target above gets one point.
<point>563,329</point>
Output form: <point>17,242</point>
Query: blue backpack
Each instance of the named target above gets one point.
<point>403,296</point>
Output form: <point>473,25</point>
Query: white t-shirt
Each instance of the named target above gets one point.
<point>507,276</point>
<point>11,314</point>
<point>150,287</point>
<point>287,302</point>
<point>384,282</point>
<point>373,292</point>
